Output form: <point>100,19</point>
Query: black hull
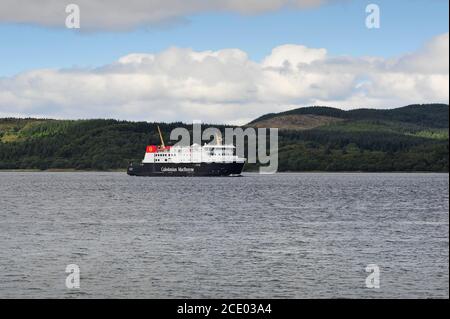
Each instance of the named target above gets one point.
<point>185,169</point>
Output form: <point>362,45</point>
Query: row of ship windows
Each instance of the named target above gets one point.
<point>211,154</point>
<point>217,153</point>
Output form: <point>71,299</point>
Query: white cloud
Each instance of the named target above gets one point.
<point>114,15</point>
<point>226,86</point>
<point>432,58</point>
<point>293,55</point>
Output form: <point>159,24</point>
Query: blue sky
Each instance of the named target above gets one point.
<point>338,27</point>
<point>220,61</point>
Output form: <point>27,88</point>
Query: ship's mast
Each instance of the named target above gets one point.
<point>160,136</point>
<point>218,139</point>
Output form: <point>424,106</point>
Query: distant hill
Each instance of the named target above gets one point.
<point>295,121</point>
<point>410,138</point>
<point>427,115</point>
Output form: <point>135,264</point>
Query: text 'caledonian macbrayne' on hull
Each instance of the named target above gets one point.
<point>208,160</point>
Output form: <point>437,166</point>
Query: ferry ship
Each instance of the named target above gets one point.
<point>195,160</point>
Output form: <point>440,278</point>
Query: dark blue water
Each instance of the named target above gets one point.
<point>261,236</point>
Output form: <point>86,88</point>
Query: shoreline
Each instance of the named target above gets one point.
<point>62,170</point>
<point>72,170</point>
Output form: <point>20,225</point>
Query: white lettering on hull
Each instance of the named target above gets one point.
<point>177,169</point>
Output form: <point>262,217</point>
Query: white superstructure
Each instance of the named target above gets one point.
<point>192,154</point>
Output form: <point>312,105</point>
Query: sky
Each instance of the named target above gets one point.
<point>218,60</point>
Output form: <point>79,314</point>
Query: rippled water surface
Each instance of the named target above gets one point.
<point>261,236</point>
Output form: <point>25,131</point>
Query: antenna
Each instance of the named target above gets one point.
<point>160,136</point>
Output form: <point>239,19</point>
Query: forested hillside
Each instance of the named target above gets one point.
<point>411,138</point>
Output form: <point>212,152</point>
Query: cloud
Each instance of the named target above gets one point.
<point>432,58</point>
<point>293,55</point>
<point>227,86</point>
<point>115,15</point>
